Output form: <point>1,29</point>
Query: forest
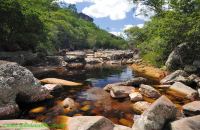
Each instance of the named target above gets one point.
<point>44,26</point>
<point>169,27</point>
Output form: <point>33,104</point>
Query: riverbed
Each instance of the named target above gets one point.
<point>91,99</point>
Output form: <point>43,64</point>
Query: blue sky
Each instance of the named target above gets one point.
<point>111,15</point>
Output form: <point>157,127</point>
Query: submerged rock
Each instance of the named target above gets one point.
<point>141,106</point>
<point>185,90</point>
<point>60,81</point>
<point>136,96</point>
<point>69,103</point>
<point>89,123</point>
<point>192,108</point>
<point>121,91</point>
<point>149,91</point>
<point>51,87</point>
<point>190,123</point>
<point>18,83</point>
<point>155,117</point>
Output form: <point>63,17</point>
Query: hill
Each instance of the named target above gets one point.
<point>43,26</point>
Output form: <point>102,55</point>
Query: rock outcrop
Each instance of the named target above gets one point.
<point>17,83</point>
<point>159,113</point>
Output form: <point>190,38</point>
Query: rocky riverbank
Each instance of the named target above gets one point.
<point>155,102</point>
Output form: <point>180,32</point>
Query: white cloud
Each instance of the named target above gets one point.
<point>128,26</point>
<point>114,9</point>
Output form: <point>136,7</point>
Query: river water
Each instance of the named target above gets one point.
<point>92,100</point>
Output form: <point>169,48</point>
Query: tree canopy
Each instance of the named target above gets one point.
<point>167,29</point>
<point>45,26</point>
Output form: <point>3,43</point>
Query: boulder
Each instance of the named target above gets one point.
<point>155,117</point>
<point>141,106</point>
<point>171,78</point>
<point>89,123</point>
<point>132,82</point>
<point>60,82</point>
<point>184,90</point>
<point>135,82</point>
<point>108,87</point>
<point>136,96</point>
<point>149,91</point>
<point>121,91</point>
<point>182,55</point>
<point>18,84</point>
<point>192,108</point>
<point>190,123</point>
<point>22,125</point>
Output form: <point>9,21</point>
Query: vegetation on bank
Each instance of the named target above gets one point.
<point>170,27</point>
<point>43,26</point>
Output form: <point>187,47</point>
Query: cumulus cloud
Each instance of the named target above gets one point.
<point>128,26</point>
<point>114,9</point>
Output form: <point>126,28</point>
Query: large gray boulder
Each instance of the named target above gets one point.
<point>182,55</point>
<point>159,113</point>
<point>17,84</point>
<point>190,123</point>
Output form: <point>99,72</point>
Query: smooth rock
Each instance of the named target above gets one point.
<point>171,78</point>
<point>75,56</point>
<point>18,83</point>
<point>22,125</point>
<point>89,123</point>
<point>190,123</point>
<point>149,91</point>
<point>185,90</point>
<point>136,96</point>
<point>121,91</point>
<point>155,117</point>
<point>192,108</point>
<point>52,87</point>
<point>60,81</point>
<point>120,127</point>
<point>141,106</point>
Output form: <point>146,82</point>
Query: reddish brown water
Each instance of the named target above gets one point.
<point>91,98</point>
